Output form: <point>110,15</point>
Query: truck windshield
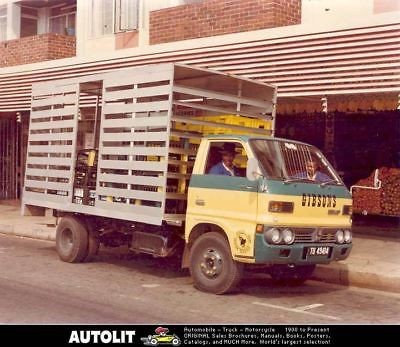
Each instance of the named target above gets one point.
<point>293,162</point>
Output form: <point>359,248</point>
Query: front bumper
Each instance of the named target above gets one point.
<point>297,253</point>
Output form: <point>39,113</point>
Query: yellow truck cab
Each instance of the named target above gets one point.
<point>272,213</point>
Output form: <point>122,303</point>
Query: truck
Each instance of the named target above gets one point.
<point>123,158</point>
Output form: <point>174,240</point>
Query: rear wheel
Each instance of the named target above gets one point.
<point>211,265</point>
<point>72,240</point>
<point>291,275</point>
<point>93,241</point>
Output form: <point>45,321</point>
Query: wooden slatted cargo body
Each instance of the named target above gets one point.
<point>146,124</point>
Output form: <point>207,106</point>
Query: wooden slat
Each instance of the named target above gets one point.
<point>131,194</point>
<point>221,96</point>
<point>48,173</point>
<point>136,122</point>
<point>49,161</point>
<point>53,125</point>
<point>135,136</point>
<point>40,199</point>
<point>51,89</point>
<point>137,93</point>
<point>225,110</point>
<point>133,165</point>
<point>147,74</point>
<point>47,185</point>
<point>52,137</point>
<point>55,100</point>
<point>144,214</point>
<point>130,179</point>
<point>151,151</point>
<point>64,111</point>
<point>137,107</point>
<point>50,149</point>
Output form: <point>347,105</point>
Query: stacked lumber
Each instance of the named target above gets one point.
<point>385,201</point>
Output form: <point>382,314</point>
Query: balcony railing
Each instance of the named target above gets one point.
<point>34,49</point>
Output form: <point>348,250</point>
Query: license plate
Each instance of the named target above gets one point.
<point>318,251</point>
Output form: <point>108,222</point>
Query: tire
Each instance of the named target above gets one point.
<point>293,276</point>
<point>72,240</point>
<point>93,242</point>
<point>211,265</point>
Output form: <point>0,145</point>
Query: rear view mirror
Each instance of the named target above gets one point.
<point>253,169</point>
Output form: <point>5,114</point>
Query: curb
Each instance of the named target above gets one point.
<point>37,232</point>
<point>348,275</point>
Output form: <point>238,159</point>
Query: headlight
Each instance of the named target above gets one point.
<point>287,236</point>
<point>347,236</point>
<point>273,235</point>
<point>339,236</point>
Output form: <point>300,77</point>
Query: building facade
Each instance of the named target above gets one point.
<point>336,63</point>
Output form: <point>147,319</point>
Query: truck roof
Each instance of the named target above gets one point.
<point>246,138</point>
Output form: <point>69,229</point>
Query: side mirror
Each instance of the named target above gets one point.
<point>377,181</point>
<point>253,169</point>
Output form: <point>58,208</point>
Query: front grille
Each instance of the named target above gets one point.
<point>317,235</point>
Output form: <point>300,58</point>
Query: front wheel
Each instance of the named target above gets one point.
<point>291,275</point>
<point>211,265</point>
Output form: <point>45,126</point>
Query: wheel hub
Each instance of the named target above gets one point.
<point>211,264</point>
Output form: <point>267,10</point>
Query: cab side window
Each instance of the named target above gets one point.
<point>226,158</point>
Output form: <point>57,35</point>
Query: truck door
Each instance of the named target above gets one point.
<point>228,200</point>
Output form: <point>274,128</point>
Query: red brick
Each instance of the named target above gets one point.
<point>37,48</point>
<point>216,17</point>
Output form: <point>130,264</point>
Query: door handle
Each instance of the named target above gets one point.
<point>199,202</point>
<point>246,186</point>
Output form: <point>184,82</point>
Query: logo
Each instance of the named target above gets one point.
<point>101,336</point>
<point>242,242</point>
<point>161,337</point>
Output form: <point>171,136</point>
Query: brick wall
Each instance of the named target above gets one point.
<point>36,48</point>
<point>217,17</point>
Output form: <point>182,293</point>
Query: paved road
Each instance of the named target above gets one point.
<point>36,287</point>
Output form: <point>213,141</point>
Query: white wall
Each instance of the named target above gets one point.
<point>13,21</point>
<point>322,14</point>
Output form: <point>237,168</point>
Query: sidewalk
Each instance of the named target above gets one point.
<point>374,262</point>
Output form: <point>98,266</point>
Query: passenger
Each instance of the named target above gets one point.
<point>313,173</point>
<point>225,166</point>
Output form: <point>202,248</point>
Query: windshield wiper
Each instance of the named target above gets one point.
<point>300,179</point>
<point>332,181</point>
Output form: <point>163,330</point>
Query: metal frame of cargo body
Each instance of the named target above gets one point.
<point>150,127</point>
